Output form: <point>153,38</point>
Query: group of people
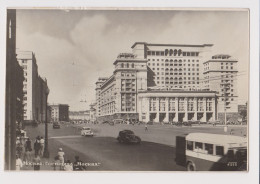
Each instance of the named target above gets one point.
<point>24,151</point>
<point>62,165</point>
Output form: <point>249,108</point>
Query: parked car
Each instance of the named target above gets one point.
<point>86,131</point>
<point>56,125</point>
<point>119,121</point>
<point>128,136</point>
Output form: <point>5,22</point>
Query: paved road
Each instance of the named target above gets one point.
<point>103,152</point>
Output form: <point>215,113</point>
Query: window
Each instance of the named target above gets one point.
<point>133,65</point>
<point>219,150</point>
<point>209,148</point>
<point>198,145</point>
<point>190,145</point>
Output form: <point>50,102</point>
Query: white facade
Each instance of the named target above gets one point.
<point>174,106</point>
<point>28,61</point>
<point>174,66</point>
<point>220,75</point>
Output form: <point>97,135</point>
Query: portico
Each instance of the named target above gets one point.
<point>174,106</point>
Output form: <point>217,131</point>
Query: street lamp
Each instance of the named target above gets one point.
<point>46,153</point>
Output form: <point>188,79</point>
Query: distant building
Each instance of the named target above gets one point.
<point>93,112</point>
<point>220,75</point>
<point>118,94</point>
<point>59,112</point>
<point>79,115</point>
<point>99,83</point>
<point>35,88</point>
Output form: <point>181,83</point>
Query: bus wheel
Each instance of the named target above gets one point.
<point>191,166</point>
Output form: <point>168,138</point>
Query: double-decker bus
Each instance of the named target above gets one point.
<point>211,152</point>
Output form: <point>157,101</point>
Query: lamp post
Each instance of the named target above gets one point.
<point>46,153</point>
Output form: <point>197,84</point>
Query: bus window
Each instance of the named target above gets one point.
<point>190,145</point>
<point>230,154</point>
<point>198,145</point>
<point>209,148</point>
<point>219,150</point>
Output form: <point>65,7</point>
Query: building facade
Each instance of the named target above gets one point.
<point>13,92</point>
<point>99,83</point>
<point>118,94</point>
<point>35,88</point>
<point>220,75</point>
<point>177,105</point>
<point>79,115</point>
<point>59,112</point>
<point>173,66</point>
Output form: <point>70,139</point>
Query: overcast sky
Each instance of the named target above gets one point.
<point>93,39</point>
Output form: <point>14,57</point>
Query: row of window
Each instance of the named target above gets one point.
<point>171,52</point>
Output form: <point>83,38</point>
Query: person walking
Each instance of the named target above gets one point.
<point>41,146</point>
<point>61,155</point>
<point>28,145</point>
<point>36,147</point>
<point>28,155</point>
<point>19,163</point>
<point>146,127</point>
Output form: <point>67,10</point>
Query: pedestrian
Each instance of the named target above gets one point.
<point>61,155</point>
<point>28,144</point>
<point>19,163</point>
<point>56,163</point>
<point>146,127</point>
<point>37,163</point>
<point>231,132</point>
<point>68,166</point>
<point>28,155</point>
<point>78,164</point>
<point>41,146</point>
<point>36,147</point>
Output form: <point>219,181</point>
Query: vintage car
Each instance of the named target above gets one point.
<point>86,131</point>
<point>128,136</point>
<point>56,125</point>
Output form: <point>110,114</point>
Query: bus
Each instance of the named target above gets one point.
<point>211,152</point>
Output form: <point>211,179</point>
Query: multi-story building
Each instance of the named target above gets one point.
<point>93,112</point>
<point>99,83</point>
<point>173,66</point>
<point>118,94</point>
<point>59,112</point>
<point>176,105</point>
<point>220,75</point>
<point>79,115</point>
<point>35,88</point>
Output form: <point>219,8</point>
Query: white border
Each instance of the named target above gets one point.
<point>161,177</point>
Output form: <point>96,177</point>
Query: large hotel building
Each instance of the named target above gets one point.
<point>159,83</point>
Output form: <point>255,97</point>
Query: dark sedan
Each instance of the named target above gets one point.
<point>128,136</point>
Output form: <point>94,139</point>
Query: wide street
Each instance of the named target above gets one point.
<point>155,153</point>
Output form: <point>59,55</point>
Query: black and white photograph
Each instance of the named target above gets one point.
<point>110,89</point>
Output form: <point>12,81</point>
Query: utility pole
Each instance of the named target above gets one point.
<point>46,153</point>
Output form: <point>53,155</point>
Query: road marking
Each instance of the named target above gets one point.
<point>65,137</point>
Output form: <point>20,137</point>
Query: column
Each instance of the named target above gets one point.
<point>203,119</point>
<point>185,118</point>
<point>166,119</point>
<point>176,118</point>
<point>195,109</point>
<point>157,110</point>
<point>213,109</point>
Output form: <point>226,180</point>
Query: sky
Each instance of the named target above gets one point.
<point>73,48</point>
